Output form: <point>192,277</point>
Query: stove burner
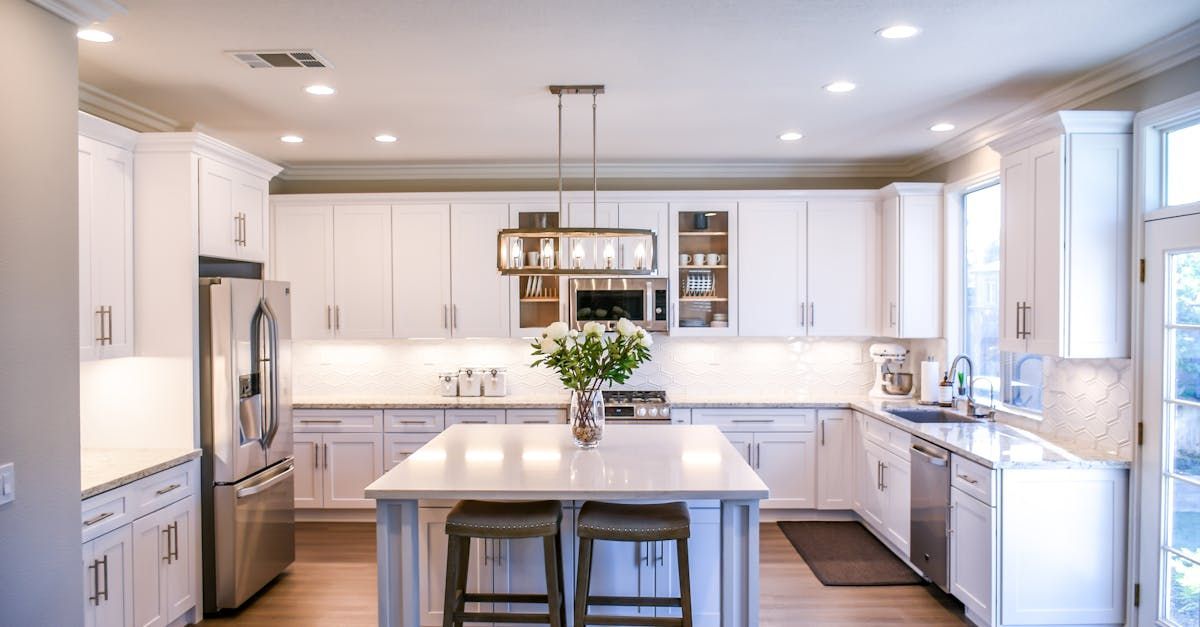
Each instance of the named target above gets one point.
<point>641,405</point>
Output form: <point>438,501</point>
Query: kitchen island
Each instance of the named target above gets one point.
<point>634,463</point>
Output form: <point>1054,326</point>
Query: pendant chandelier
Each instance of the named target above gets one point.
<point>561,250</point>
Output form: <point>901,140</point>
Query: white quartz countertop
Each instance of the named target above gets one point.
<point>433,402</point>
<point>525,462</point>
<point>104,469</point>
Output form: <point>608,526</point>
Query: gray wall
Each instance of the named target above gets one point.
<point>40,578</point>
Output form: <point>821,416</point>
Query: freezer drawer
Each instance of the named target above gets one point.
<point>254,533</point>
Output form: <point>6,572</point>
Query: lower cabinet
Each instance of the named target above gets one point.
<point>163,572</point>
<point>786,462</point>
<point>333,469</point>
<point>972,552</point>
<point>886,495</point>
<point>835,459</point>
<point>108,580</point>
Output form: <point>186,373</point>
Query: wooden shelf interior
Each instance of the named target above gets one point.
<point>540,308</point>
<point>694,241</point>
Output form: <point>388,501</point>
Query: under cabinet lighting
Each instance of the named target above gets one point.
<point>840,87</point>
<point>942,127</point>
<point>291,139</point>
<point>899,31</point>
<point>790,136</point>
<point>95,36</point>
<point>320,90</point>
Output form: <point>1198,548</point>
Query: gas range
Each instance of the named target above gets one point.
<point>636,406</point>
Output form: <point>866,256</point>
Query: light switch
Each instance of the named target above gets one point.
<point>8,484</point>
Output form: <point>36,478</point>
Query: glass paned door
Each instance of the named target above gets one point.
<point>1171,458</point>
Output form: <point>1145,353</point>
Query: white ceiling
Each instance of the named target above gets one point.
<point>464,81</point>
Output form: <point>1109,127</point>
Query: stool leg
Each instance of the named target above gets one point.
<point>554,595</point>
<point>583,581</point>
<point>685,581</point>
<point>558,563</point>
<point>464,569</point>
<point>453,563</point>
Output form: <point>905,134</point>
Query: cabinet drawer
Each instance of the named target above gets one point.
<point>535,416</point>
<point>757,419</point>
<point>973,478</point>
<point>166,487</point>
<point>414,420</point>
<point>398,446</point>
<point>107,511</point>
<point>474,416</point>
<point>890,438</point>
<point>339,421</point>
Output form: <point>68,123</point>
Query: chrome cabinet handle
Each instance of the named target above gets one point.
<point>321,421</point>
<point>891,314</point>
<point>445,317</point>
<point>337,317</point>
<point>326,447</point>
<point>1024,319</point>
<point>454,316</point>
<point>100,333</point>
<point>879,476</point>
<point>883,475</point>
<point>328,316</point>
<point>803,315</point>
<point>822,433</point>
<point>968,479</point>
<point>474,422</point>
<point>812,314</point>
<point>102,562</point>
<point>167,532</point>
<point>412,422</point>
<point>316,455</point>
<point>95,568</point>
<point>169,488</point>
<point>535,422</point>
<point>174,542</point>
<point>747,421</point>
<point>91,521</point>
<point>758,455</point>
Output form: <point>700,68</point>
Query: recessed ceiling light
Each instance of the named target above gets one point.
<point>840,87</point>
<point>385,138</point>
<point>291,139</point>
<point>942,127</point>
<point>899,31</point>
<point>320,90</point>
<point>790,136</point>
<point>97,36</point>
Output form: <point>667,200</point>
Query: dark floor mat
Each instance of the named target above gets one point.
<point>846,554</point>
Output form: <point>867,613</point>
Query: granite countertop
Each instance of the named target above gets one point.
<point>103,469</point>
<point>526,462</point>
<point>433,402</point>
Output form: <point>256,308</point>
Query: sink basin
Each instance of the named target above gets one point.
<point>925,416</point>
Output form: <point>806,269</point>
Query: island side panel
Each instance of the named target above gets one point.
<point>396,536</point>
<point>739,563</point>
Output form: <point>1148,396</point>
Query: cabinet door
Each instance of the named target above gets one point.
<point>897,501</point>
<point>535,416</point>
<point>479,303</point>
<point>89,316</point>
<point>842,265</point>
<point>772,269</point>
<point>308,485</point>
<point>653,216</point>
<point>303,256</point>
<point>744,443</point>
<point>787,464</point>
<point>351,461</point>
<point>109,572</point>
<point>362,271</point>
<point>179,573</point>
<point>518,567</point>
<point>971,534</point>
<point>889,280</point>
<point>421,271</point>
<point>474,417</point>
<point>1016,246</point>
<point>112,246</point>
<point>834,459</point>
<point>623,569</point>
<point>219,232</point>
<point>1043,318</point>
<point>398,446</point>
<point>151,546</point>
<point>872,490</point>
<point>919,262</point>
<point>704,560</point>
<point>431,529</point>
<point>250,205</point>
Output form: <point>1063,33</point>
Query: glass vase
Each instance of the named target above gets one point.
<point>586,417</point>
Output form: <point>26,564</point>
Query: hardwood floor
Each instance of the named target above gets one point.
<point>332,583</point>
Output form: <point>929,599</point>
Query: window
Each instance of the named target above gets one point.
<point>1015,379</point>
<point>1181,156</point>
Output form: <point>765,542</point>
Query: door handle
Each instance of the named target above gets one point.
<point>758,455</point>
<point>169,488</point>
<point>968,479</point>
<point>95,568</point>
<point>167,532</point>
<point>326,455</point>
<point>328,316</point>
<point>454,316</point>
<point>91,521</point>
<point>265,485</point>
<point>822,433</point>
<point>643,553</point>
<point>445,317</point>
<point>337,317</point>
<point>891,314</point>
<point>803,315</point>
<point>175,541</point>
<point>1024,320</point>
<point>883,475</point>
<point>812,314</point>
<point>660,553</point>
<point>879,476</point>
<point>100,333</point>
<point>316,455</point>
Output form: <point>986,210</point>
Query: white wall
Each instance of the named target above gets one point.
<point>40,576</point>
<point>136,402</point>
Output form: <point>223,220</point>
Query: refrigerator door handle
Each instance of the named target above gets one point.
<point>266,485</point>
<point>272,416</point>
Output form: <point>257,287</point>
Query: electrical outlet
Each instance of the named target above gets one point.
<point>8,484</point>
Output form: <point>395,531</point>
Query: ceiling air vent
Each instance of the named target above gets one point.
<point>280,58</point>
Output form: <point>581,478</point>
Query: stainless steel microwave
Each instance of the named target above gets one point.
<point>641,300</point>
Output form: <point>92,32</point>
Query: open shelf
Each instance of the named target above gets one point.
<point>703,289</point>
<point>702,233</point>
<point>703,299</point>
<point>720,266</point>
<point>540,300</point>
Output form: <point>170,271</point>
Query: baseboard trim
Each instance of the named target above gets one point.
<point>804,515</point>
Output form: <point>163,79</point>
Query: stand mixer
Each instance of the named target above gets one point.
<point>889,381</point>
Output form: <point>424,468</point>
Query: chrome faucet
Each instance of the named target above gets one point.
<point>973,409</point>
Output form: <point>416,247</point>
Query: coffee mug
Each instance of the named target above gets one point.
<point>685,260</point>
<point>698,259</point>
<point>713,259</point>
<point>532,258</point>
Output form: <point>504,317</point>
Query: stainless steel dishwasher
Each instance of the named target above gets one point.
<point>930,509</point>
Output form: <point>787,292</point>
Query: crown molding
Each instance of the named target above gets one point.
<point>548,170</point>
<point>82,12</point>
<point>1174,49</point>
<point>1061,123</point>
<point>549,198</point>
<point>113,108</point>
<point>104,131</point>
<point>207,146</point>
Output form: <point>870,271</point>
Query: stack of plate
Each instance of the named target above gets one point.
<point>692,322</point>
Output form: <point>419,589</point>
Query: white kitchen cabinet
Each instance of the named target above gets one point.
<point>479,293</point>
<point>580,215</point>
<point>972,552</point>
<point>1064,255</point>
<point>421,265</point>
<point>302,254</point>
<point>886,495</point>
<point>397,447</point>
<point>704,228</point>
<point>773,269</point>
<point>835,459</point>
<point>475,417</point>
<point>842,267</point>
<point>623,569</point>
<point>309,484</point>
<point>105,240</point>
<point>232,212</point>
<point>333,469</point>
<point>874,504</point>
<point>432,542</point>
<point>529,312</point>
<point>646,215</point>
<point>535,416</point>
<point>704,558</point>
<point>787,464</point>
<point>108,579</point>
<point>362,271</point>
<point>911,261</point>
<point>163,564</point>
<point>518,567</point>
<point>744,443</point>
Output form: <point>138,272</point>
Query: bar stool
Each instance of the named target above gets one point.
<point>504,521</point>
<point>632,523</point>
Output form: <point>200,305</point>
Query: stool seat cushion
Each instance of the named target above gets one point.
<point>497,519</point>
<point>633,523</point>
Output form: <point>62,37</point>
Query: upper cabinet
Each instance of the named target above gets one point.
<point>479,304</point>
<point>704,266</point>
<point>233,212</point>
<point>105,239</point>
<point>1064,254</point>
<point>911,248</point>
<point>421,270</point>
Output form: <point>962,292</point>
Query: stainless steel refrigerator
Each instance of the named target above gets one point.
<point>246,430</point>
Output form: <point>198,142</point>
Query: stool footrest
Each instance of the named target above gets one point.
<point>500,617</point>
<point>640,621</point>
<point>637,601</point>
<point>504,598</point>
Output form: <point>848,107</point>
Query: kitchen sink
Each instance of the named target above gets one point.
<point>925,416</point>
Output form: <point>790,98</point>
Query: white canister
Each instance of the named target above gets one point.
<point>470,382</point>
<point>448,383</point>
<point>495,382</point>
